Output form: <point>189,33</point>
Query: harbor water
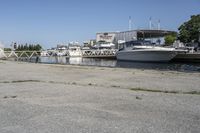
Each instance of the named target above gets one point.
<point>174,66</point>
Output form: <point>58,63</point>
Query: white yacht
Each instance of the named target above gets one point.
<point>75,51</point>
<point>147,54</point>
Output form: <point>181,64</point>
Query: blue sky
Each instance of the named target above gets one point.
<point>50,22</point>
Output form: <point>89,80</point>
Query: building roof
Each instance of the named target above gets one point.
<point>146,33</point>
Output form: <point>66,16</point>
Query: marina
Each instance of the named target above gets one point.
<point>99,66</point>
<point>136,53</point>
<point>142,45</point>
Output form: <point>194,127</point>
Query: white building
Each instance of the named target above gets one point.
<point>106,37</point>
<point>132,35</point>
<point>114,37</point>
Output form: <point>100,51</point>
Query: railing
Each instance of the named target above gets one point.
<point>104,53</point>
<point>99,53</point>
<point>20,54</point>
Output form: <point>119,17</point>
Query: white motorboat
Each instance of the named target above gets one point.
<point>147,54</point>
<point>75,51</point>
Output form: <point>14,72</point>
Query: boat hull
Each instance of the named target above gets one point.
<point>146,56</point>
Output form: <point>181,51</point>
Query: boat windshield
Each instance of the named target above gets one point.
<point>138,43</point>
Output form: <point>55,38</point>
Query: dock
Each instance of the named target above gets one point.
<point>187,57</point>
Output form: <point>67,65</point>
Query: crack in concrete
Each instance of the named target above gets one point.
<point>112,86</point>
<point>165,91</point>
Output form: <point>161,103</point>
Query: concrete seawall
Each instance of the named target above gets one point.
<point>67,98</point>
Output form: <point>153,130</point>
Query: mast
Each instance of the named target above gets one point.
<point>159,24</point>
<point>150,23</point>
<point>130,23</point>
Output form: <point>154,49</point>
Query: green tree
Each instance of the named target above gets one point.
<point>190,30</point>
<point>169,39</point>
<point>25,47</point>
<point>30,47</point>
<point>20,47</point>
<point>7,49</point>
<point>37,47</point>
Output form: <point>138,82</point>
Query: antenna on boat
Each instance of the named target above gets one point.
<point>130,23</point>
<point>150,23</point>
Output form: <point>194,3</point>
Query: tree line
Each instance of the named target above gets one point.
<point>28,47</point>
<point>188,32</point>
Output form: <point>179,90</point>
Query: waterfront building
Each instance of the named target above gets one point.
<point>155,36</point>
<point>108,37</point>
